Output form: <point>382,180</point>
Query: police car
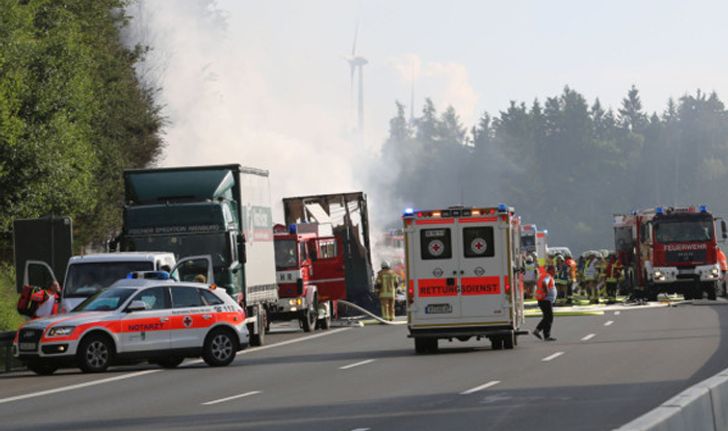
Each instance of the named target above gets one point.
<point>160,321</point>
<point>463,276</point>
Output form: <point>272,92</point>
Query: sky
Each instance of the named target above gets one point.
<point>266,83</point>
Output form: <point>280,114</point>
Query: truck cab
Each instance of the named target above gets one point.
<point>463,277</point>
<point>309,273</point>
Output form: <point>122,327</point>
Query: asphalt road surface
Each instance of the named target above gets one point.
<point>601,373</point>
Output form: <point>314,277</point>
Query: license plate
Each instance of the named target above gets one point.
<point>686,271</point>
<point>28,346</point>
<point>438,309</point>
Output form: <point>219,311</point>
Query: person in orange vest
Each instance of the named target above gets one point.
<point>613,276</point>
<point>48,300</point>
<point>723,263</point>
<point>546,295</point>
<point>571,263</point>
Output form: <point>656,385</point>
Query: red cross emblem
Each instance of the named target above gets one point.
<point>436,247</point>
<point>478,246</point>
<point>187,321</point>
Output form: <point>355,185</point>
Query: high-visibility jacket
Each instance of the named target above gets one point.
<point>614,272</point>
<point>387,281</point>
<point>531,272</point>
<point>545,290</point>
<point>722,260</point>
<point>572,268</point>
<point>590,270</point>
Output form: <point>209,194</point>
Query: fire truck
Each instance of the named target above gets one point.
<point>534,241</point>
<point>461,267</point>
<point>671,250</point>
<point>310,274</point>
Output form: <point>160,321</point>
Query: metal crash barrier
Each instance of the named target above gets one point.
<point>7,361</point>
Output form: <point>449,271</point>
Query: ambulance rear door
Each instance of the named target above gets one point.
<point>434,270</point>
<point>483,267</point>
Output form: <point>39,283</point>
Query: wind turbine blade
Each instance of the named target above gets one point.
<point>356,35</point>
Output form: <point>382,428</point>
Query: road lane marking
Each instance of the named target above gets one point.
<point>356,364</point>
<point>552,357</point>
<point>480,388</point>
<point>361,429</point>
<point>77,386</point>
<point>617,313</point>
<point>157,370</point>
<point>588,337</point>
<point>234,397</point>
<point>608,322</point>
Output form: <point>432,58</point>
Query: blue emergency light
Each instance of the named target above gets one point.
<point>409,211</point>
<point>703,208</point>
<point>502,208</point>
<point>292,229</point>
<point>659,211</point>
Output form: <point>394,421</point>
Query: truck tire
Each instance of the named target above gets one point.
<point>308,319</point>
<point>95,353</point>
<point>257,340</point>
<point>496,343</point>
<point>220,347</point>
<point>425,345</point>
<point>509,341</point>
<point>325,323</point>
<point>41,367</point>
<point>711,288</point>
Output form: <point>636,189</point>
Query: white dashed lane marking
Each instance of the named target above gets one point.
<point>480,388</point>
<point>552,357</point>
<point>234,397</point>
<point>356,364</point>
<point>608,323</point>
<point>588,337</point>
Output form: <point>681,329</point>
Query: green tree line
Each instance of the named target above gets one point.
<point>566,165</point>
<point>73,115</point>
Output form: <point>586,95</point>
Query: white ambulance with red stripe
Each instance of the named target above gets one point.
<point>463,277</point>
<point>160,321</point>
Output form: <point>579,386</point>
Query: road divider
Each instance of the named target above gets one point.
<point>357,364</point>
<point>234,397</point>
<point>552,357</point>
<point>480,388</point>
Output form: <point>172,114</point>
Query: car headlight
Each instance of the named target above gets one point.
<point>60,331</point>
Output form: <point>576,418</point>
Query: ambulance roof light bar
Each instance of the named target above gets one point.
<point>703,209</point>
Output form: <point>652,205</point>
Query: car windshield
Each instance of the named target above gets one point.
<point>107,300</point>
<point>86,279</point>
<point>528,241</point>
<point>286,254</point>
<point>683,231</point>
<point>214,245</point>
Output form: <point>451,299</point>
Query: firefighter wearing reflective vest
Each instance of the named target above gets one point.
<point>561,278</point>
<point>613,277</point>
<point>571,264</point>
<point>546,295</point>
<point>601,280</point>
<point>386,287</point>
<point>591,275</point>
<point>530,275</point>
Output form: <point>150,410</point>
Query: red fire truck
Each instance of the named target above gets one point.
<point>309,273</point>
<point>671,250</point>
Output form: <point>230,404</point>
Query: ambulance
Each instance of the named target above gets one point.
<point>463,276</point>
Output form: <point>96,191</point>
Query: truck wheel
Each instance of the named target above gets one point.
<point>308,319</point>
<point>95,354</point>
<point>496,343</point>
<point>509,341</point>
<point>220,348</point>
<point>41,367</point>
<point>258,339</point>
<point>325,323</point>
<point>712,290</point>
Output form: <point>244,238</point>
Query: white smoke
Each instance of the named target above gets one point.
<point>223,106</point>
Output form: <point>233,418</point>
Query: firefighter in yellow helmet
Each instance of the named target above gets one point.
<point>386,287</point>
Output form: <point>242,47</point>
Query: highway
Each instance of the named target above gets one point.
<point>601,373</point>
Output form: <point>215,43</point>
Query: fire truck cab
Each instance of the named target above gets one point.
<point>309,273</point>
<point>671,250</point>
<point>463,277</point>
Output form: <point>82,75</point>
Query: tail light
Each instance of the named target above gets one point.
<point>411,292</point>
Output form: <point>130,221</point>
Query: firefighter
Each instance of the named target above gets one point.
<point>723,262</point>
<point>530,276</point>
<point>591,277</point>
<point>546,295</point>
<point>562,278</point>
<point>571,264</point>
<point>613,277</point>
<point>601,279</point>
<point>386,287</point>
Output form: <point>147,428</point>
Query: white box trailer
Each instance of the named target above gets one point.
<point>463,277</point>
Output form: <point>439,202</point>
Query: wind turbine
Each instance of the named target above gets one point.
<point>356,64</point>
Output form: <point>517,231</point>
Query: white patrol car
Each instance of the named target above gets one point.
<point>161,321</point>
<point>463,277</point>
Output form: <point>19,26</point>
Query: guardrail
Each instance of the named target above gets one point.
<point>7,362</point>
<point>703,406</point>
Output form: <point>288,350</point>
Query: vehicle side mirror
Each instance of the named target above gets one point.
<point>724,229</point>
<point>241,249</point>
<point>136,306</point>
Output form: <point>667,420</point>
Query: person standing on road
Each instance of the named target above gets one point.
<point>723,263</point>
<point>546,295</point>
<point>386,287</point>
<point>48,300</point>
<point>530,275</point>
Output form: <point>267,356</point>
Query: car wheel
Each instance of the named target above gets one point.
<point>220,348</point>
<point>308,320</point>
<point>95,354</point>
<point>496,343</point>
<point>170,362</point>
<point>41,367</point>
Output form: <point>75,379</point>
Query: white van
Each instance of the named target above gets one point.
<point>461,267</point>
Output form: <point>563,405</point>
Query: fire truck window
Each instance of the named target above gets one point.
<point>327,249</point>
<point>478,242</point>
<point>435,244</point>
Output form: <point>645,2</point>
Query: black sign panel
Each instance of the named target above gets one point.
<point>47,239</point>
